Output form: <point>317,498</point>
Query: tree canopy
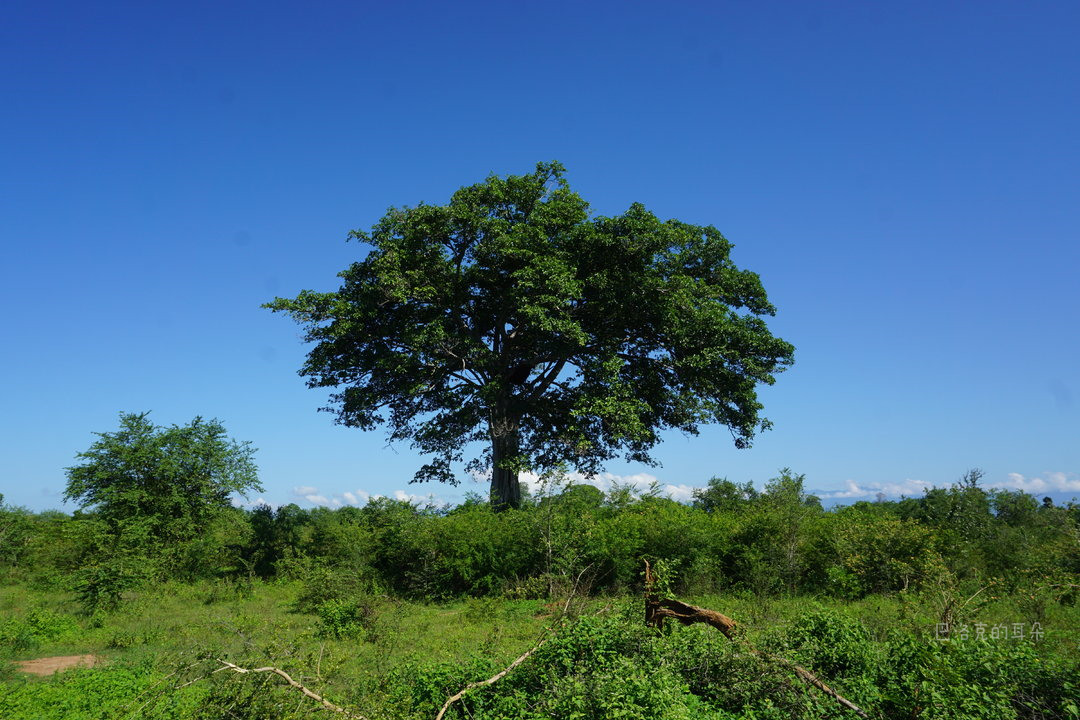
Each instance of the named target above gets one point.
<point>173,478</point>
<point>514,317</point>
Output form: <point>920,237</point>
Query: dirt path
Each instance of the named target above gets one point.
<point>50,665</point>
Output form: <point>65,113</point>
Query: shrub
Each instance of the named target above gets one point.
<point>101,587</point>
<point>831,644</point>
<point>320,583</point>
<point>36,628</point>
<point>346,619</point>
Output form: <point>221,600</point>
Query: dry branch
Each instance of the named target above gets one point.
<point>285,676</point>
<point>547,635</point>
<point>658,608</point>
<point>661,608</point>
<point>497,676</point>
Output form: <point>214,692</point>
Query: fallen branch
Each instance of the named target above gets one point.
<point>658,608</point>
<point>285,676</point>
<point>807,676</point>
<point>497,676</point>
<point>547,635</point>
<point>661,608</point>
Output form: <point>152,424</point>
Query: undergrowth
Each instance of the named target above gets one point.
<point>390,658</point>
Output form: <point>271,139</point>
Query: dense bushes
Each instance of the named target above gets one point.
<point>957,555</point>
<point>612,666</point>
<point>779,540</point>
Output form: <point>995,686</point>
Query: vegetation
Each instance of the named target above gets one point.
<point>512,316</point>
<point>174,479</point>
<point>957,604</point>
<point>155,501</point>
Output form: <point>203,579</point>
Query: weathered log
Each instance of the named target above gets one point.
<point>657,609</point>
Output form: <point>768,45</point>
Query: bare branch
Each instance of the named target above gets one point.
<point>547,378</point>
<point>497,676</point>
<point>547,635</point>
<point>285,676</point>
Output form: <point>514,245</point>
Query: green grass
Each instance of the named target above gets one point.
<point>177,624</point>
<point>173,634</point>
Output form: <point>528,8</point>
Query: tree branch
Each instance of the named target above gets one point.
<point>548,634</point>
<point>292,683</point>
<point>497,676</point>
<point>547,379</point>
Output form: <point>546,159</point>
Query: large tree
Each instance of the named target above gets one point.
<point>514,317</point>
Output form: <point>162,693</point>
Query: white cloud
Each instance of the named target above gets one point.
<point>312,495</point>
<point>1048,482</point>
<point>681,493</point>
<point>854,490</point>
<point>639,483</point>
<point>358,498</point>
<point>431,499</point>
<point>605,481</point>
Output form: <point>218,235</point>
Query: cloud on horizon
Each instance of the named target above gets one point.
<point>311,495</point>
<point>359,497</point>
<point>855,491</point>
<point>642,483</point>
<point>1048,482</point>
<point>639,484</point>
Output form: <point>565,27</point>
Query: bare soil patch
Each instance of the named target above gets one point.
<point>50,665</point>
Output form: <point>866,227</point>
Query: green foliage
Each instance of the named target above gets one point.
<point>722,495</point>
<point>101,587</point>
<point>972,680</point>
<point>773,537</point>
<point>320,582</point>
<point>868,552</point>
<point>155,501</point>
<point>37,627</point>
<point>162,654</point>
<point>831,644</point>
<point>175,478</point>
<point>277,536</point>
<point>779,541</point>
<point>511,316</point>
<point>15,533</point>
<point>346,619</point>
<point>99,694</point>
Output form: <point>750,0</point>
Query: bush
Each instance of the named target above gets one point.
<point>875,553</point>
<point>831,644</point>
<point>320,583</point>
<point>100,588</point>
<point>38,627</point>
<point>346,619</point>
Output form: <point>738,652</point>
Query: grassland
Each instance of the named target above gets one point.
<point>396,658</point>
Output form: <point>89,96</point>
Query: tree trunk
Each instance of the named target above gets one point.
<point>505,488</point>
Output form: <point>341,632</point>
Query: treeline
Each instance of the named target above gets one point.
<point>779,540</point>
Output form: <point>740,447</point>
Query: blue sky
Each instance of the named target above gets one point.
<point>903,176</point>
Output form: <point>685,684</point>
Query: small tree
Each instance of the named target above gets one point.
<point>170,480</point>
<point>512,317</point>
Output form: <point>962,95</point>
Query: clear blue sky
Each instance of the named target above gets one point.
<point>903,176</point>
